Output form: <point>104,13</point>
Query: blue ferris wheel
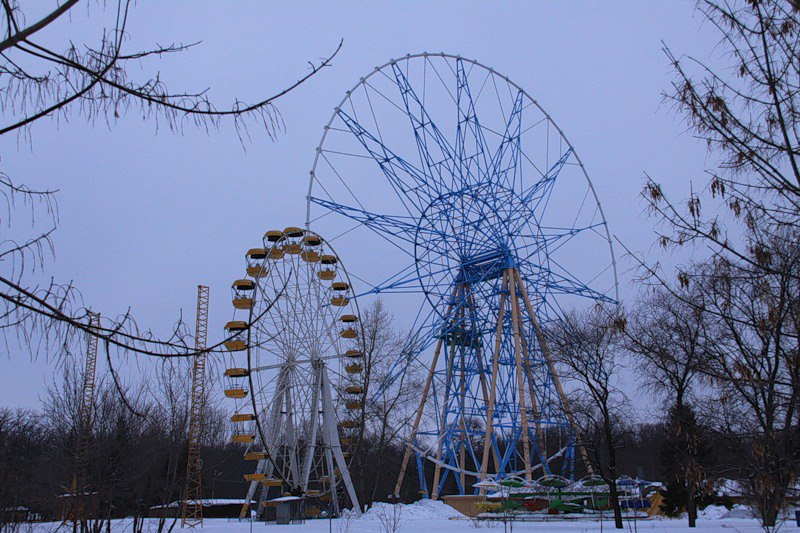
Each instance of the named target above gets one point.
<point>452,187</point>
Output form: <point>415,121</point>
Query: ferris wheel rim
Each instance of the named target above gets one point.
<point>491,71</point>
<point>321,360</point>
<point>294,376</point>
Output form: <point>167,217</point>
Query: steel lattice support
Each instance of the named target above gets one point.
<point>192,509</point>
<point>78,506</point>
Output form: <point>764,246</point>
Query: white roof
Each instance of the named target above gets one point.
<point>285,499</point>
<point>208,502</point>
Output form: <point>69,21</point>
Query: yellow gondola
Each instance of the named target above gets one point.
<point>340,286</point>
<point>310,256</point>
<point>256,253</point>
<point>291,231</point>
<point>243,417</point>
<point>275,254</point>
<point>236,372</point>
<point>271,482</point>
<point>353,369</point>
<point>243,285</point>
<point>349,333</point>
<point>326,275</point>
<point>235,346</point>
<point>354,354</point>
<point>347,319</point>
<point>257,271</point>
<point>353,405</point>
<point>328,259</point>
<point>237,393</point>
<point>312,240</point>
<point>339,301</point>
<point>255,456</point>
<point>236,325</point>
<point>354,389</point>
<point>273,235</point>
<point>255,477</point>
<point>292,248</point>
<point>243,303</point>
<point>243,438</point>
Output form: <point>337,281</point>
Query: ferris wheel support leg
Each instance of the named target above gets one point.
<point>267,466</point>
<point>523,410</point>
<point>462,446</point>
<point>251,492</point>
<point>541,447</point>
<point>437,471</point>
<point>549,359</point>
<point>334,490</point>
<point>423,483</point>
<point>417,420</point>
<point>312,446</point>
<point>331,436</point>
<point>290,436</point>
<point>487,438</point>
<point>481,375</point>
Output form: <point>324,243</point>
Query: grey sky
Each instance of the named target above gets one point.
<point>145,217</point>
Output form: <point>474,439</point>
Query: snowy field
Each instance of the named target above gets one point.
<point>427,516</point>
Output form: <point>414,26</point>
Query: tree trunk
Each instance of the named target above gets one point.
<point>691,504</point>
<point>614,500</point>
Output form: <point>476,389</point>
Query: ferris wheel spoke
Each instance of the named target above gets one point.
<point>552,242</point>
<point>399,227</point>
<point>393,166</point>
<point>506,159</point>
<point>425,130</point>
<point>468,128</point>
<point>544,186</point>
<point>565,284</point>
<point>411,278</point>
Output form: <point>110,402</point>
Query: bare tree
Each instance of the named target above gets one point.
<point>585,347</point>
<point>749,117</point>
<point>756,363</point>
<point>385,415</point>
<point>748,113</point>
<point>92,81</point>
<point>669,340</point>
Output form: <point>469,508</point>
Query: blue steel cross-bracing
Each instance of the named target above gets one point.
<point>471,226</point>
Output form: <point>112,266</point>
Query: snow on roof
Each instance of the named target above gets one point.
<point>208,502</point>
<point>285,499</point>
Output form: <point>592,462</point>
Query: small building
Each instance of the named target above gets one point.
<point>72,505</point>
<point>288,509</point>
<point>13,515</point>
<point>212,508</point>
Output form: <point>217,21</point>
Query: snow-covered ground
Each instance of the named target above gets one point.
<point>426,516</point>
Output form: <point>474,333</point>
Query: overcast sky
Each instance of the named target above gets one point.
<point>145,216</point>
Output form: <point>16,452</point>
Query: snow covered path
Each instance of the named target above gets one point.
<point>426,516</point>
<point>452,526</point>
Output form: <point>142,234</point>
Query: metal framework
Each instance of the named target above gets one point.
<point>78,507</point>
<point>464,190</point>
<point>300,390</point>
<point>192,508</point>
